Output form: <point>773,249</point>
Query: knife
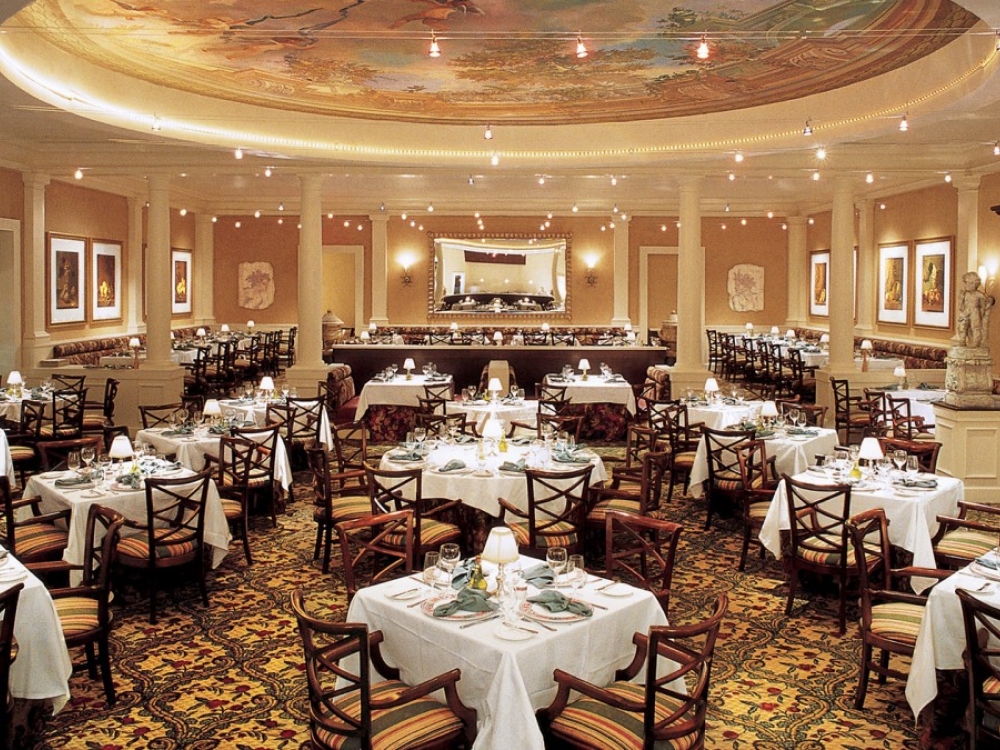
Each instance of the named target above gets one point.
<point>476,622</point>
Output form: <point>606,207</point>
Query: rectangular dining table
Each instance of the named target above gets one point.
<point>912,514</point>
<point>399,391</point>
<point>792,454</point>
<point>478,411</point>
<point>720,414</point>
<point>596,390</point>
<point>255,411</point>
<point>506,681</point>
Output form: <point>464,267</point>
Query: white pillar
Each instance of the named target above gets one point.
<point>690,366</point>
<point>36,340</point>
<point>797,271</point>
<point>309,343</point>
<point>380,270</point>
<point>133,264</point>
<point>620,272</point>
<point>967,224</point>
<point>867,267</point>
<point>159,274</point>
<point>204,269</point>
<point>842,277</point>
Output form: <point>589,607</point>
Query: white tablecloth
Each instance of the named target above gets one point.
<point>596,390</point>
<point>912,517</point>
<point>43,667</point>
<point>256,412</point>
<point>791,456</point>
<point>719,416</point>
<point>482,492</point>
<point>397,392</point>
<point>506,681</point>
<point>941,639</point>
<point>131,504</point>
<point>6,464</point>
<point>191,451</point>
<point>921,401</point>
<point>478,413</point>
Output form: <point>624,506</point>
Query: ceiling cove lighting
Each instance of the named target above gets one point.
<point>581,48</point>
<point>808,129</point>
<point>435,49</point>
<point>904,125</point>
<point>702,52</point>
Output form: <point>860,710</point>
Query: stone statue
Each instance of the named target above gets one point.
<point>974,307</point>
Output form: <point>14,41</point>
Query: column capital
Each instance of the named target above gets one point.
<point>964,182</point>
<point>690,184</point>
<point>35,179</point>
<point>379,217</point>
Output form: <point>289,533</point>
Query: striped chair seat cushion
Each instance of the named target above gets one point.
<point>897,621</point>
<point>600,510</point>
<point>684,460</point>
<point>967,544</point>
<point>21,452</point>
<point>557,535</point>
<point>37,540</point>
<point>346,508</point>
<point>95,421</point>
<point>415,724</point>
<point>260,480</point>
<point>728,485</point>
<point>77,614</point>
<point>826,552</point>
<point>991,686</point>
<point>591,723</point>
<point>432,533</point>
<point>137,547</point>
<point>61,431</point>
<point>758,511</point>
<point>232,509</point>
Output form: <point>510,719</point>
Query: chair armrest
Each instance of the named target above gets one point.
<point>911,572</point>
<point>948,522</point>
<point>507,506</point>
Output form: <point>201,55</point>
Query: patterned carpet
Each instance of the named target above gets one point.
<point>230,676</point>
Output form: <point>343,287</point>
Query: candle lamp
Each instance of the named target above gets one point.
<point>494,387</point>
<point>267,387</point>
<point>409,366</point>
<point>250,325</point>
<point>14,383</point>
<point>711,389</point>
<point>870,452</point>
<point>121,448</point>
<point>498,338</point>
<point>866,347</point>
<point>212,410</point>
<point>584,366</point>
<point>824,341</point>
<point>790,334</point>
<point>775,331</point>
<point>749,329</point>
<point>135,345</point>
<point>224,328</point>
<point>768,413</point>
<point>900,374</point>
<point>501,550</point>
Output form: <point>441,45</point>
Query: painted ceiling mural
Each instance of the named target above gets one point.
<point>508,61</point>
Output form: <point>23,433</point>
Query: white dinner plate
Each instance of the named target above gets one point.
<point>534,611</point>
<point>482,473</point>
<point>505,633</point>
<point>618,590</point>
<point>52,474</point>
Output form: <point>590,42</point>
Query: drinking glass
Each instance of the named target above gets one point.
<point>450,554</point>
<point>419,436</point>
<point>556,559</point>
<point>912,465</point>
<point>431,562</point>
<point>578,568</point>
<point>87,455</point>
<point>520,394</point>
<point>73,461</point>
<point>899,458</point>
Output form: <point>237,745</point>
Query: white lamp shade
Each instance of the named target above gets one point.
<point>172,336</point>
<point>628,327</point>
<point>212,408</point>
<point>250,324</point>
<point>200,332</point>
<point>454,326</point>
<point>749,326</point>
<point>15,378</point>
<point>408,364</point>
<point>493,429</point>
<point>870,449</point>
<point>495,385</point>
<point>498,337</point>
<point>899,372</point>
<point>774,330</point>
<point>501,546</point>
<point>769,409</point>
<point>372,327</point>
<point>225,328</point>
<point>545,327</point>
<point>584,364</point>
<point>866,345</point>
<point>789,334</point>
<point>267,383</point>
<point>121,447</point>
<point>824,338</point>
<point>711,385</point>
<point>133,342</point>
<point>365,336</point>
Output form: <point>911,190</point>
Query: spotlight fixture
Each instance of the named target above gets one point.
<point>239,224</point>
<point>156,123</point>
<point>614,180</point>
<point>770,214</point>
<point>267,171</point>
<point>406,276</point>
<point>727,208</point>
<point>615,209</point>
<point>996,148</point>
<point>702,53</point>
<point>903,124</point>
<point>808,129</point>
<point>821,153</point>
<point>256,214</point>
<point>494,158</point>
<point>947,176</point>
<point>435,49</point>
<point>78,174</point>
<point>815,176</point>
<point>575,209</point>
<point>732,176</point>
<point>215,219</point>
<point>738,157</point>
<point>869,178</point>
<point>472,180</point>
<point>541,180</point>
<point>183,212</point>
<point>281,206</point>
<point>581,48</point>
<point>488,134</point>
<point>430,208</point>
<point>238,153</point>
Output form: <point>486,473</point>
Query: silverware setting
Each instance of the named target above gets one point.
<point>401,594</point>
<point>476,622</point>
<point>523,629</point>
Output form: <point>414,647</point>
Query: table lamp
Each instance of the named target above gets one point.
<point>501,550</point>
<point>212,410</point>
<point>366,337</point>
<point>225,328</point>
<point>267,387</point>
<point>121,448</point>
<point>749,327</point>
<point>409,366</point>
<point>494,388</point>
<point>711,388</point>
<point>871,450</point>
<point>14,383</point>
<point>790,334</point>
<point>250,325</point>
<point>134,345</point>
<point>768,412</point>
<point>866,347</point>
<point>584,366</point>
<point>372,327</point>
<point>824,341</point>
<point>900,374</point>
<point>498,338</point>
<point>172,336</point>
<point>200,333</point>
<point>774,331</point>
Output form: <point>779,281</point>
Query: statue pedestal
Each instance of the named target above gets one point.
<point>969,379</point>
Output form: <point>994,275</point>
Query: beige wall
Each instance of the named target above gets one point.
<point>11,194</point>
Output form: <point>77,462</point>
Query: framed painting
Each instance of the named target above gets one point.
<point>819,274</point>
<point>893,290</point>
<point>105,280</point>
<point>932,259</point>
<point>181,295</point>
<point>67,271</point>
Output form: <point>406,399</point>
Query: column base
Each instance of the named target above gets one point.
<point>305,377</point>
<point>684,378</point>
<point>970,449</point>
<point>969,378</point>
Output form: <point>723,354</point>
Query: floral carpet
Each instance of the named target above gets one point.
<point>230,676</point>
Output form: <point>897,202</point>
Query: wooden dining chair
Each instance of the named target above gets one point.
<point>981,621</point>
<point>850,415</point>
<point>724,481</point>
<point>926,451</point>
<point>638,499</point>
<point>160,415</point>
<point>67,407</point>
<point>376,548</point>
<point>54,453</point>
<point>890,612</point>
<point>670,421</point>
<point>641,550</point>
<point>962,538</point>
<point>170,536</point>
<point>758,480</point>
<point>667,708</point>
<point>236,456</point>
<point>557,503</point>
<point>264,489</point>
<point>350,707</point>
<point>302,428</point>
<point>22,442</point>
<point>31,535</point>
<point>9,599</point>
<point>85,609</point>
<point>339,496</point>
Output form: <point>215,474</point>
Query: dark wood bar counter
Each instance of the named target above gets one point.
<point>465,363</point>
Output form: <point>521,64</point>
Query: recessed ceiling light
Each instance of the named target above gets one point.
<point>434,50</point>
<point>488,133</point>
<point>904,125</point>
<point>738,157</point>
<point>702,52</point>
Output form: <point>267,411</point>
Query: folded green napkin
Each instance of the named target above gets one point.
<point>763,434</point>
<point>76,481</point>
<point>927,484</point>
<point>467,600</point>
<point>453,465</point>
<point>521,440</point>
<point>987,562</point>
<point>556,601</point>
<point>801,431</point>
<point>511,466</point>
<point>927,387</point>
<point>889,388</point>
<point>178,432</point>
<point>406,456</point>
<point>218,430</point>
<point>538,576</point>
<point>464,439</point>
<point>462,572</point>
<point>566,458</point>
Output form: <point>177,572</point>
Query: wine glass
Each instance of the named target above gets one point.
<point>899,458</point>
<point>449,556</point>
<point>87,455</point>
<point>431,562</point>
<point>73,461</point>
<point>419,436</point>
<point>912,466</point>
<point>556,559</point>
<point>577,567</point>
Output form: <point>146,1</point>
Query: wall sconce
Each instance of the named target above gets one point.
<point>406,276</point>
<point>591,276</point>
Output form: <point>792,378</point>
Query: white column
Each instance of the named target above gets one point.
<point>620,272</point>
<point>967,224</point>
<point>841,277</point>
<point>691,286</point>
<point>204,269</point>
<point>133,264</point>
<point>380,270</point>
<point>309,343</point>
<point>866,272</point>
<point>159,274</point>
<point>36,340</point>
<point>798,271</point>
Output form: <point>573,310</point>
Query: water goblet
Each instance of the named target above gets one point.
<point>431,563</point>
<point>73,461</point>
<point>450,554</point>
<point>912,466</point>
<point>419,436</point>
<point>87,455</point>
<point>899,459</point>
<point>578,569</point>
<point>556,559</point>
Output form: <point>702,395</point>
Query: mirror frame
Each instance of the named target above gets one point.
<point>563,314</point>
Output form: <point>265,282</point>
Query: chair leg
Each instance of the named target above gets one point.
<point>746,548</point>
<point>245,530</point>
<point>793,584</point>
<point>859,696</point>
<point>109,682</point>
<point>327,546</point>
<point>88,649</point>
